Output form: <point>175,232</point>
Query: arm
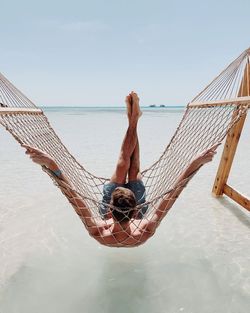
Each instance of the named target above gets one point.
<point>182,181</point>
<point>64,184</point>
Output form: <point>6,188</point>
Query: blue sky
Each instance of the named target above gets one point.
<point>93,52</point>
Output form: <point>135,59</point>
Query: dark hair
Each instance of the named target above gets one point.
<point>123,200</point>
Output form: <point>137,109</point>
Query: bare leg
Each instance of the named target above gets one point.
<point>128,146</point>
<point>134,170</point>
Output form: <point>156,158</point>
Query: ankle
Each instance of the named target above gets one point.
<point>132,123</point>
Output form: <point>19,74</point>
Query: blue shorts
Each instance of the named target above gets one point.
<point>136,186</point>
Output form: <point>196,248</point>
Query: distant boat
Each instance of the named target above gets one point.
<point>166,106</point>
<point>155,106</point>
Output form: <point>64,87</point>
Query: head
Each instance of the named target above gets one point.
<point>124,201</point>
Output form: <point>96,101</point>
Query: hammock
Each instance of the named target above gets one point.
<point>206,121</point>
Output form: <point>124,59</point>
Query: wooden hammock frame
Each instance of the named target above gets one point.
<point>220,184</point>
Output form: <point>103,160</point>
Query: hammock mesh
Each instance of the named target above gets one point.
<point>206,121</point>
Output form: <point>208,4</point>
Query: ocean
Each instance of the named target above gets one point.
<point>197,262</point>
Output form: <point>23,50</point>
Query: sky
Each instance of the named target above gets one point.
<point>92,53</point>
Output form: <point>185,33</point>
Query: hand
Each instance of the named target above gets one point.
<point>41,158</point>
<point>205,156</point>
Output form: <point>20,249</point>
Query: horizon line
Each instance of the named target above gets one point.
<point>108,106</point>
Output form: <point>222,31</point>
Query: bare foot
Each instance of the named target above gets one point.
<point>128,102</point>
<point>136,111</point>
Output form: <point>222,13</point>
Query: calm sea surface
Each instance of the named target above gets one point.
<point>197,262</point>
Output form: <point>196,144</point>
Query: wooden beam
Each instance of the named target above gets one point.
<point>19,111</point>
<point>237,197</point>
<point>228,156</point>
<point>239,101</point>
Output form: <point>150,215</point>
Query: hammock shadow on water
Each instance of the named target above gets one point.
<point>123,286</point>
<point>235,210</point>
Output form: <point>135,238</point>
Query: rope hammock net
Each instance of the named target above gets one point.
<point>206,121</point>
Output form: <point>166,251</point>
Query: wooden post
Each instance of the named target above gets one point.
<point>220,184</point>
<point>227,157</point>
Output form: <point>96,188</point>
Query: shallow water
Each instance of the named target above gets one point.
<point>198,260</point>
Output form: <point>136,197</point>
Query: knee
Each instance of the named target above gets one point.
<point>123,164</point>
<point>124,160</point>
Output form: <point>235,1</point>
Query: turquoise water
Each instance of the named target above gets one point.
<point>198,260</point>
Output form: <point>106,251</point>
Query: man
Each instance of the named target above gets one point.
<point>123,221</point>
<point>125,186</point>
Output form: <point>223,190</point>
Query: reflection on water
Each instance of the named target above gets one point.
<point>198,260</point>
